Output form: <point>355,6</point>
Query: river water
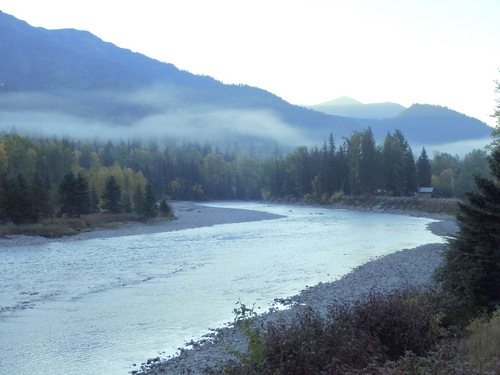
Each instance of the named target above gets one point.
<point>101,305</point>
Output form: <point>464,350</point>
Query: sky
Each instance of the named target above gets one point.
<point>443,52</point>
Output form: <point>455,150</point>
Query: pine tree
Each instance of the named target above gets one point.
<point>471,269</point>
<point>138,200</point>
<point>19,207</point>
<point>40,199</point>
<point>411,180</point>
<point>126,203</point>
<point>83,194</point>
<point>166,209</point>
<point>94,201</point>
<point>424,172</point>
<point>398,165</point>
<point>3,197</point>
<point>369,163</point>
<point>149,207</point>
<point>111,197</point>
<point>74,196</point>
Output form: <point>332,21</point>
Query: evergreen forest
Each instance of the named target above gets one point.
<point>50,177</point>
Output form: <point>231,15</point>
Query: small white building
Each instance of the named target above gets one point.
<point>425,192</point>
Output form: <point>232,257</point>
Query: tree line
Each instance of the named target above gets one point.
<point>40,177</point>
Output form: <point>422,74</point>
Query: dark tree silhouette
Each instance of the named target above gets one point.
<point>424,172</point>
<point>471,269</point>
<point>19,206</point>
<point>112,196</point>
<point>74,195</point>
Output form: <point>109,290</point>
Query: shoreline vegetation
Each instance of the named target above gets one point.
<point>65,228</point>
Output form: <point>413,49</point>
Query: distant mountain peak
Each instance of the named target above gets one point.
<point>348,107</point>
<point>342,101</point>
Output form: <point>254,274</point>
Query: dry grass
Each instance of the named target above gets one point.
<point>44,230</point>
<point>482,345</point>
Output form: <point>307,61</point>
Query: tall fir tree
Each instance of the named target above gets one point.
<point>112,196</point>
<point>40,199</point>
<point>138,199</point>
<point>19,205</point>
<point>126,203</point>
<point>149,206</point>
<point>83,194</point>
<point>369,163</point>
<point>411,179</point>
<point>471,268</point>
<point>3,197</point>
<point>74,195</point>
<point>424,172</point>
<point>95,202</point>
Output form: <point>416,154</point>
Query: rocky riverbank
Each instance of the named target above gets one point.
<point>408,267</point>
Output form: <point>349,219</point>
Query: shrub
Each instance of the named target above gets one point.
<point>402,321</point>
<point>354,339</point>
<point>166,209</point>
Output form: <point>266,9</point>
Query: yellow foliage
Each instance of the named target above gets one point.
<point>127,179</point>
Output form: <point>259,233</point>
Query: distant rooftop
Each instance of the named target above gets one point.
<point>426,190</point>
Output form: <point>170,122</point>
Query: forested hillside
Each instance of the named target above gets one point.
<point>36,172</point>
<point>423,122</point>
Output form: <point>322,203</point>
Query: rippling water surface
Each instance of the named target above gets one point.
<point>101,305</point>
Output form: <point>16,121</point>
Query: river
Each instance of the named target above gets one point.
<point>102,305</point>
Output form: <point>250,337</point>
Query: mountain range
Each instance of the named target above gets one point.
<point>70,80</point>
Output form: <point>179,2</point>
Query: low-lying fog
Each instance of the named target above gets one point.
<point>143,114</point>
<point>161,112</point>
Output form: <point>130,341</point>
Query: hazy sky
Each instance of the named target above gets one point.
<point>444,52</point>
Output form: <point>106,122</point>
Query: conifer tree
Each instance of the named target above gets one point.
<point>138,200</point>
<point>3,197</point>
<point>126,203</point>
<point>40,199</point>
<point>149,207</point>
<point>411,181</point>
<point>111,197</point>
<point>471,269</point>
<point>166,209</point>
<point>83,194</point>
<point>19,207</point>
<point>74,196</point>
<point>424,172</point>
<point>369,163</point>
<point>94,200</point>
